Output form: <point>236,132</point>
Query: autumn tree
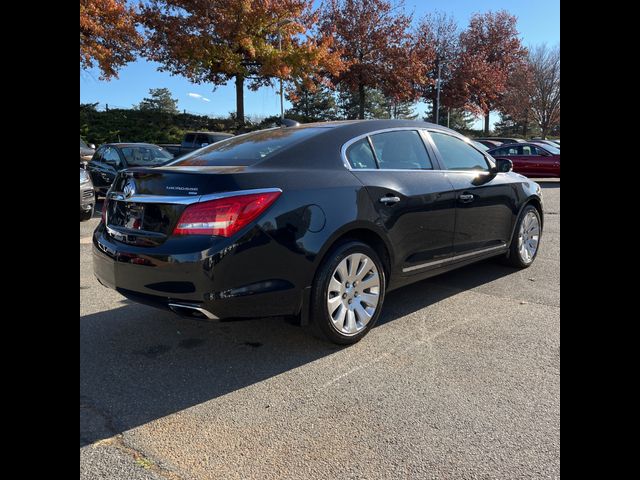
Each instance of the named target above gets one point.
<point>440,31</point>
<point>159,100</point>
<point>253,41</point>
<point>515,104</point>
<point>544,64</point>
<point>378,49</point>
<point>490,51</point>
<point>108,36</point>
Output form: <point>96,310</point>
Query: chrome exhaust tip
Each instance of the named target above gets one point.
<point>192,311</point>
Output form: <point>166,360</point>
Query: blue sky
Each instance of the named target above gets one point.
<point>538,22</point>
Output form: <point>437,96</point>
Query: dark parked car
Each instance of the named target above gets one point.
<point>319,220</point>
<point>502,140</point>
<point>488,143</point>
<point>111,158</point>
<point>86,152</point>
<point>193,141</point>
<point>87,198</point>
<point>545,142</point>
<point>531,159</point>
<point>480,146</point>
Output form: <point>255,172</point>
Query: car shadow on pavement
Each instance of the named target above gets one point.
<point>548,183</point>
<point>138,364</point>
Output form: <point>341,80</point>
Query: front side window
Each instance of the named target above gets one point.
<point>401,150</point>
<point>457,154</point>
<point>110,156</point>
<point>360,155</point>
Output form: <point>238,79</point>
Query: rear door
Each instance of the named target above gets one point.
<point>484,200</point>
<point>548,164</point>
<point>413,199</point>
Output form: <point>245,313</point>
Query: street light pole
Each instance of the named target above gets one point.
<point>281,93</point>
<point>280,24</point>
<point>438,94</point>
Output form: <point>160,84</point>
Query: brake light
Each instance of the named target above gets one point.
<point>104,210</point>
<point>224,216</point>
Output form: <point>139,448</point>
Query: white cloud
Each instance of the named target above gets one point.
<point>197,95</point>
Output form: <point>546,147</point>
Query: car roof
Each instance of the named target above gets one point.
<point>374,124</point>
<point>129,144</point>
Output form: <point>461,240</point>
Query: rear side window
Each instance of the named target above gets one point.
<point>247,149</point>
<point>200,139</point>
<point>401,150</point>
<point>457,154</point>
<point>360,155</point>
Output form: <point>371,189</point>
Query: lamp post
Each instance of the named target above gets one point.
<point>281,23</point>
<point>441,63</point>
<point>438,94</point>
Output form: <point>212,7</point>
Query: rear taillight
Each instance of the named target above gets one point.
<point>224,216</point>
<point>104,210</point>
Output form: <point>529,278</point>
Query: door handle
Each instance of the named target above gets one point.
<point>389,200</point>
<point>466,197</point>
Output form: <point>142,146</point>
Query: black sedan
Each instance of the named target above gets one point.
<point>317,221</point>
<point>111,158</point>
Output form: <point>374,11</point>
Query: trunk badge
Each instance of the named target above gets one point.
<point>129,188</point>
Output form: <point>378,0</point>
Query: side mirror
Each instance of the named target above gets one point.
<point>503,165</point>
<point>204,144</point>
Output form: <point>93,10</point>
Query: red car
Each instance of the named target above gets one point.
<point>530,159</point>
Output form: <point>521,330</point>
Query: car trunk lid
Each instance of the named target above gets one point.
<point>144,204</point>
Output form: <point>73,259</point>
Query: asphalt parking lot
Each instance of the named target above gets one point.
<point>459,379</point>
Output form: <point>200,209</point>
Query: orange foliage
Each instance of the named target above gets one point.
<point>108,36</point>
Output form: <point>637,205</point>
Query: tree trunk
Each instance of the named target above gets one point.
<point>524,129</point>
<point>240,100</point>
<point>361,101</point>
<point>486,123</point>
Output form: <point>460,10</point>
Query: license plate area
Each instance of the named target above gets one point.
<point>141,223</point>
<point>133,216</point>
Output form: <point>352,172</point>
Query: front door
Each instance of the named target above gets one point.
<point>485,201</point>
<point>414,202</point>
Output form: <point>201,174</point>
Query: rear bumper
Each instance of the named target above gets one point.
<point>225,279</point>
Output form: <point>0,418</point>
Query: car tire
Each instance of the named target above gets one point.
<point>87,215</point>
<point>525,243</point>
<point>347,297</point>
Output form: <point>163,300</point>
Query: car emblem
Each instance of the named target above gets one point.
<point>129,188</point>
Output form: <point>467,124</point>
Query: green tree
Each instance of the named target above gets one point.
<point>351,108</point>
<point>159,100</point>
<point>313,106</point>
<point>456,118</point>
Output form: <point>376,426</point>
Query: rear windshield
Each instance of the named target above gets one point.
<point>146,156</point>
<point>247,149</point>
<point>551,149</point>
